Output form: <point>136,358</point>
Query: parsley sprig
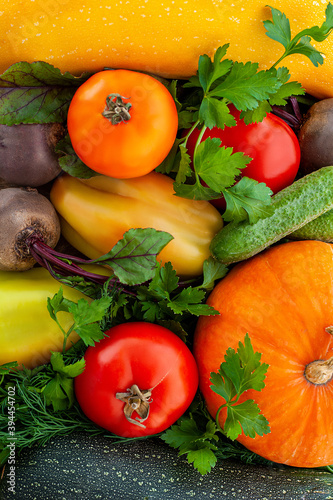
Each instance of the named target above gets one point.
<point>241,370</point>
<point>86,316</point>
<point>166,297</point>
<point>198,444</point>
<point>219,83</point>
<point>57,387</point>
<point>278,29</point>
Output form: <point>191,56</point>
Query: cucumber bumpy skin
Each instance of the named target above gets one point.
<point>320,229</point>
<point>293,207</point>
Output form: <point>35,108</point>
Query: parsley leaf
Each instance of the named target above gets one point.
<point>190,300</point>
<point>202,457</point>
<point>166,298</point>
<point>164,282</point>
<point>59,391</point>
<point>248,199</point>
<point>241,371</point>
<point>245,86</point>
<point>195,191</point>
<point>56,304</point>
<point>197,444</point>
<point>184,169</point>
<point>209,72</point>
<point>279,98</point>
<point>286,90</point>
<point>215,113</point>
<point>212,271</point>
<point>86,316</point>
<point>258,114</point>
<point>245,417</point>
<point>278,29</point>
<point>216,165</point>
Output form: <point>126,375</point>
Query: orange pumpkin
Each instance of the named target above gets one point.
<point>283,298</point>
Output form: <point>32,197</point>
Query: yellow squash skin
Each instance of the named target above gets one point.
<point>164,38</point>
<point>96,212</point>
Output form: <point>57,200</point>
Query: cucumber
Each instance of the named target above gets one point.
<point>84,467</point>
<point>293,207</point>
<point>320,229</point>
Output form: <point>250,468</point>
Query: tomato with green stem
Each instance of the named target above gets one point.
<point>122,123</point>
<point>138,380</point>
<point>271,144</point>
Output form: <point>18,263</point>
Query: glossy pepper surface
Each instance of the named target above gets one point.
<point>96,212</point>
<point>162,38</point>
<point>27,332</point>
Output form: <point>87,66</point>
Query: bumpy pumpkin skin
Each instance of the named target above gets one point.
<point>164,38</point>
<point>283,298</point>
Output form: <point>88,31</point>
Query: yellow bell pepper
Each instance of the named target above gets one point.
<point>27,332</point>
<point>163,38</point>
<point>96,212</point>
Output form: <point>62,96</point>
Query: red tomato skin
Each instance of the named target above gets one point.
<point>144,354</point>
<point>128,149</point>
<point>272,145</point>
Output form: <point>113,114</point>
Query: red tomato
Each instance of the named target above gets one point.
<point>272,145</point>
<point>127,142</point>
<point>148,356</point>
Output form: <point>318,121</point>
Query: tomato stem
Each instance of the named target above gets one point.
<point>136,400</point>
<point>116,110</point>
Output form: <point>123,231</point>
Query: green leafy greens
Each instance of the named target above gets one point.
<point>70,162</point>
<point>199,445</point>
<point>59,391</point>
<point>278,29</point>
<point>36,93</point>
<point>133,258</point>
<point>241,371</point>
<point>219,83</point>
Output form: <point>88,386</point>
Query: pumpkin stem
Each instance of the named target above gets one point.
<point>136,400</point>
<point>320,371</point>
<point>116,110</point>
